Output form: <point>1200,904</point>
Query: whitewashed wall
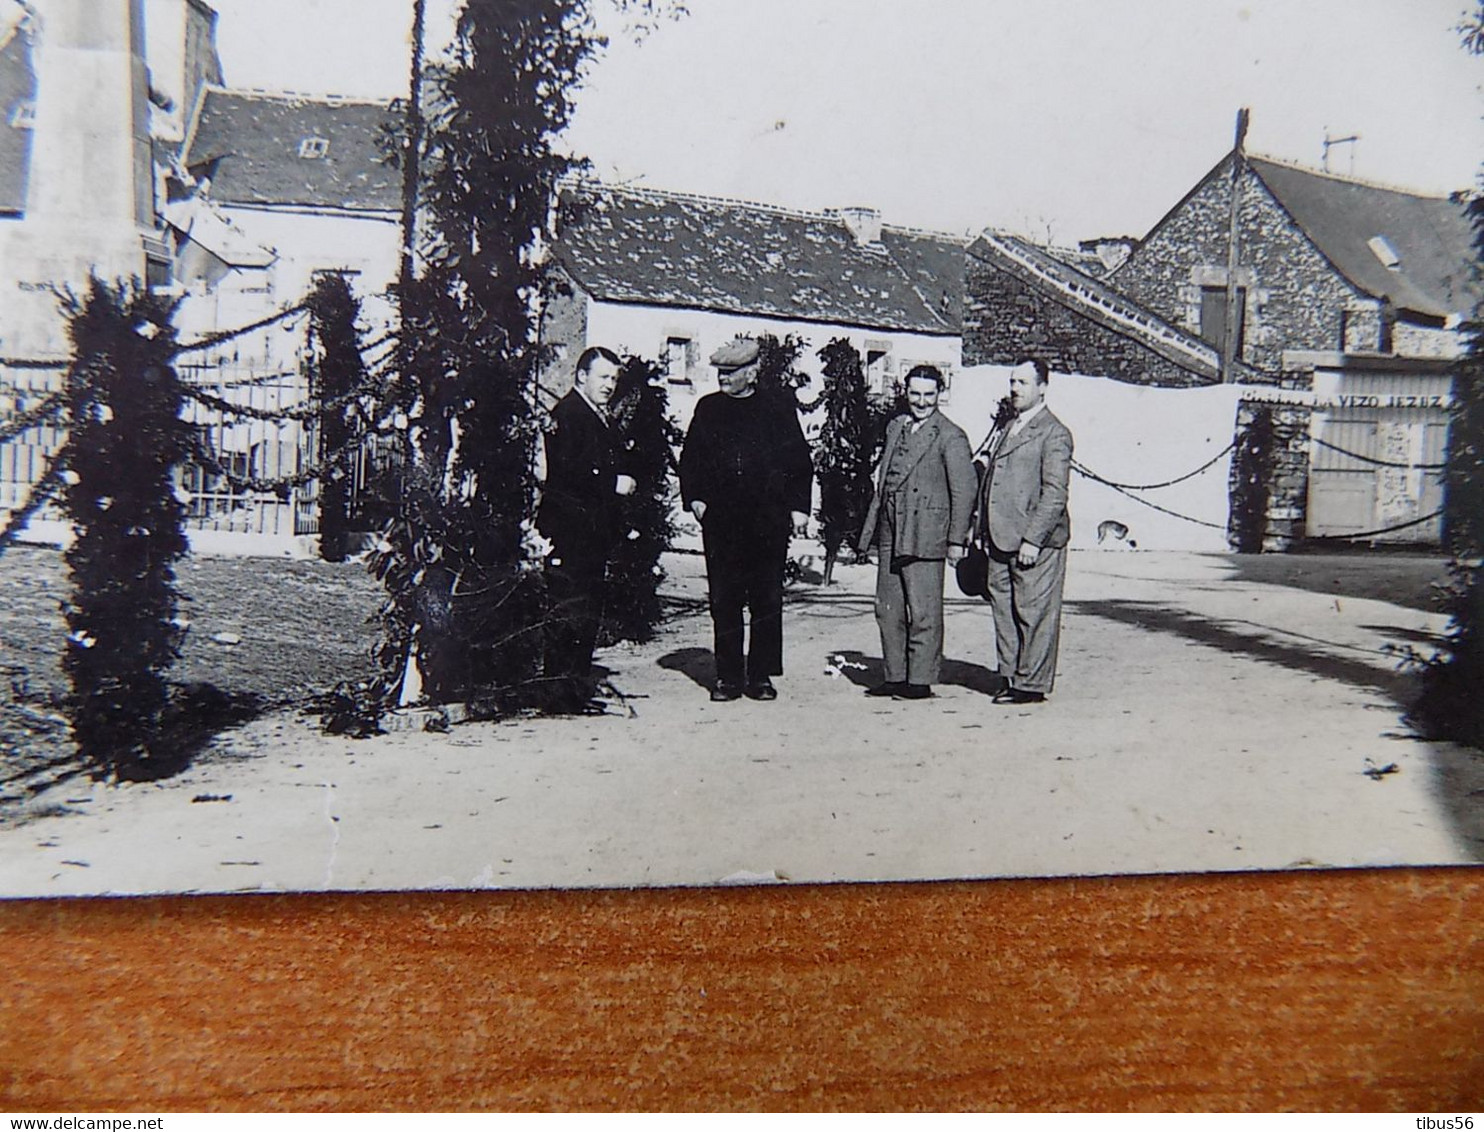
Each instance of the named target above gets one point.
<point>1128,434</point>
<point>643,330</point>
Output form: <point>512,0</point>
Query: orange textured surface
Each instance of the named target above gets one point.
<point>1302,991</point>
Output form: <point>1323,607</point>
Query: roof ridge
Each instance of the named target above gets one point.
<point>296,96</point>
<point>646,192</point>
<point>1299,167</point>
<point>1116,306</point>
<point>936,233</point>
<point>829,214</point>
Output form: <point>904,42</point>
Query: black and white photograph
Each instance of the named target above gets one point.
<point>526,444</point>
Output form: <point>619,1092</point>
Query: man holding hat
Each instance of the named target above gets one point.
<point>746,475</point>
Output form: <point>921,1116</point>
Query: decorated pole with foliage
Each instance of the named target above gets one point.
<point>778,368</point>
<point>460,561</point>
<point>125,441</point>
<point>646,439</point>
<point>337,372</point>
<point>844,453</point>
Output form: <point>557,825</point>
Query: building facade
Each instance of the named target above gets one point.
<point>672,276</point>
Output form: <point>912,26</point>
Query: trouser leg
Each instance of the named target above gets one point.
<point>891,616</point>
<point>1002,608</point>
<point>765,604</point>
<point>922,584</point>
<point>1037,592</point>
<point>727,591</point>
<point>574,607</point>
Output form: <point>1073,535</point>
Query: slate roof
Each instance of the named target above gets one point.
<point>17,85</point>
<point>1430,235</point>
<point>674,249</point>
<point>253,138</point>
<point>1095,300</point>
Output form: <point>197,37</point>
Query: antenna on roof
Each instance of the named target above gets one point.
<point>1330,143</point>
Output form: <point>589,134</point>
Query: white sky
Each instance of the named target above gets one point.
<point>1068,118</point>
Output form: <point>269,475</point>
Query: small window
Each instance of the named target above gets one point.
<point>23,115</point>
<point>312,148</point>
<point>1213,317</point>
<point>878,366</point>
<point>680,355</point>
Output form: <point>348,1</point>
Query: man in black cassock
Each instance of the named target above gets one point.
<point>746,475</point>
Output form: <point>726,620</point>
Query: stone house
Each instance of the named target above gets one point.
<point>1325,263</point>
<point>1351,292</point>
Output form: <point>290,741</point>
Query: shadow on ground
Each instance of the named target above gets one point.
<point>1457,771</point>
<point>1400,686</point>
<point>1410,580</point>
<point>868,671</point>
<point>696,663</point>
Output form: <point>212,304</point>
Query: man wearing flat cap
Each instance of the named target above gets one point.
<point>745,474</point>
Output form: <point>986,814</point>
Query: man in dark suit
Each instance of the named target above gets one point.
<point>579,516</point>
<point>746,475</point>
<point>919,517</point>
<point>1025,528</point>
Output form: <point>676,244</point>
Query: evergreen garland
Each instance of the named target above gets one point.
<point>460,560</point>
<point>125,441</point>
<point>845,451</point>
<point>646,438</point>
<point>778,370</point>
<point>336,374</point>
<point>1252,465</point>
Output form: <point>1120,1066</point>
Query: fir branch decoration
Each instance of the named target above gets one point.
<point>647,439</point>
<point>844,453</point>
<point>338,380</point>
<point>125,444</point>
<point>461,620</point>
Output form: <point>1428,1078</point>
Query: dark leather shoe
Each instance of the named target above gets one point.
<point>762,690</point>
<point>890,688</point>
<point>914,692</point>
<point>1016,696</point>
<point>725,693</point>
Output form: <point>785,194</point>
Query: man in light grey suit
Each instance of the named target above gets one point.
<point>1025,529</point>
<point>919,517</point>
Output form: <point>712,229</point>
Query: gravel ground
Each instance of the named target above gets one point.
<point>304,626</point>
<point>1202,721</point>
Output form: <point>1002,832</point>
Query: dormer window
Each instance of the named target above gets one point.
<point>23,115</point>
<point>311,148</point>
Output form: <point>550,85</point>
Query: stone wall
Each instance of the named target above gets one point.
<point>1295,298</point>
<point>1269,481</point>
<point>1006,317</point>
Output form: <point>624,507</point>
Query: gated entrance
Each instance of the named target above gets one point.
<point>1380,437</point>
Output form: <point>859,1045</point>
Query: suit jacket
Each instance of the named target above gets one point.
<point>933,505</point>
<point>579,502</point>
<point>1025,487</point>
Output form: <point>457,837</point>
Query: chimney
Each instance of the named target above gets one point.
<point>863,223</point>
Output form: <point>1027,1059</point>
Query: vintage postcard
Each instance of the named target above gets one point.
<point>951,439</point>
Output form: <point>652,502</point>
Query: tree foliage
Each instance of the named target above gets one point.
<point>461,618</point>
<point>336,371</point>
<point>647,439</point>
<point>778,368</point>
<point>1451,706</point>
<point>845,451</point>
<point>124,444</point>
<point>1251,472</point>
